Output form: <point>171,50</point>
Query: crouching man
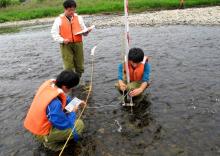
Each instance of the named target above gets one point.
<point>47,118</point>
<point>139,71</point>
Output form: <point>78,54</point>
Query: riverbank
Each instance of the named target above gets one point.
<point>192,16</point>
<point>46,8</point>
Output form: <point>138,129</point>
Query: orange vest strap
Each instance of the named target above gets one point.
<point>36,120</point>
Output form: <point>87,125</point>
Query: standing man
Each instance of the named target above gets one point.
<point>64,31</point>
<point>181,4</point>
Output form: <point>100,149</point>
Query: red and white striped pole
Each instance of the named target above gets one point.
<point>126,39</point>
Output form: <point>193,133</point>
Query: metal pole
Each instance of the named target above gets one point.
<point>126,39</point>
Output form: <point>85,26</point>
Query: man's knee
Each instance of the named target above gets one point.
<point>133,85</point>
<point>79,124</point>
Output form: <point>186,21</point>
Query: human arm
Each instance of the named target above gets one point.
<point>55,32</point>
<point>83,26</point>
<point>122,85</point>
<point>58,118</point>
<point>146,75</point>
<point>139,90</point>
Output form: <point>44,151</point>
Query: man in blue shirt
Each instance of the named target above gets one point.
<point>139,72</point>
<point>47,118</point>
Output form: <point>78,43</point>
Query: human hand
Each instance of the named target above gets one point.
<point>66,41</point>
<point>86,33</point>
<point>76,107</point>
<point>136,92</point>
<point>82,104</point>
<point>122,85</point>
<point>89,29</point>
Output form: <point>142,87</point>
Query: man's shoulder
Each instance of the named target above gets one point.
<point>120,65</point>
<point>147,66</point>
<point>55,102</point>
<point>80,18</point>
<point>61,15</point>
<point>58,19</point>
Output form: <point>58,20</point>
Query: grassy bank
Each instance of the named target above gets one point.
<point>49,8</point>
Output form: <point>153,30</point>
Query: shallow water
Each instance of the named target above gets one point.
<point>180,117</point>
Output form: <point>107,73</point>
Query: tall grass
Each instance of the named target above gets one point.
<point>49,8</point>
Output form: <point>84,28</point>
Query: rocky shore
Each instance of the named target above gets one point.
<point>192,16</point>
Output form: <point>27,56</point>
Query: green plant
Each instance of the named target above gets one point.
<point>40,1</point>
<point>4,3</point>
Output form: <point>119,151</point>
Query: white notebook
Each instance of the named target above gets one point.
<point>74,103</point>
<point>85,30</point>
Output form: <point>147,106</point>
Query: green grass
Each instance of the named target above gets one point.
<point>50,8</point>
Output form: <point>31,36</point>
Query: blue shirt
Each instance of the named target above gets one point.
<point>59,119</point>
<point>146,75</point>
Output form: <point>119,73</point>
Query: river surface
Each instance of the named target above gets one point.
<point>180,116</point>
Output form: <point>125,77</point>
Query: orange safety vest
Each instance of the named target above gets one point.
<point>68,29</point>
<point>136,74</point>
<point>36,120</point>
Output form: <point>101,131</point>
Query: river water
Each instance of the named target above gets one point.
<point>180,115</point>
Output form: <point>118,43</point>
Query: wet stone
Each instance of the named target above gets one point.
<point>101,130</point>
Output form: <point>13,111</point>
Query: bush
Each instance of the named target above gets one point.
<point>4,3</point>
